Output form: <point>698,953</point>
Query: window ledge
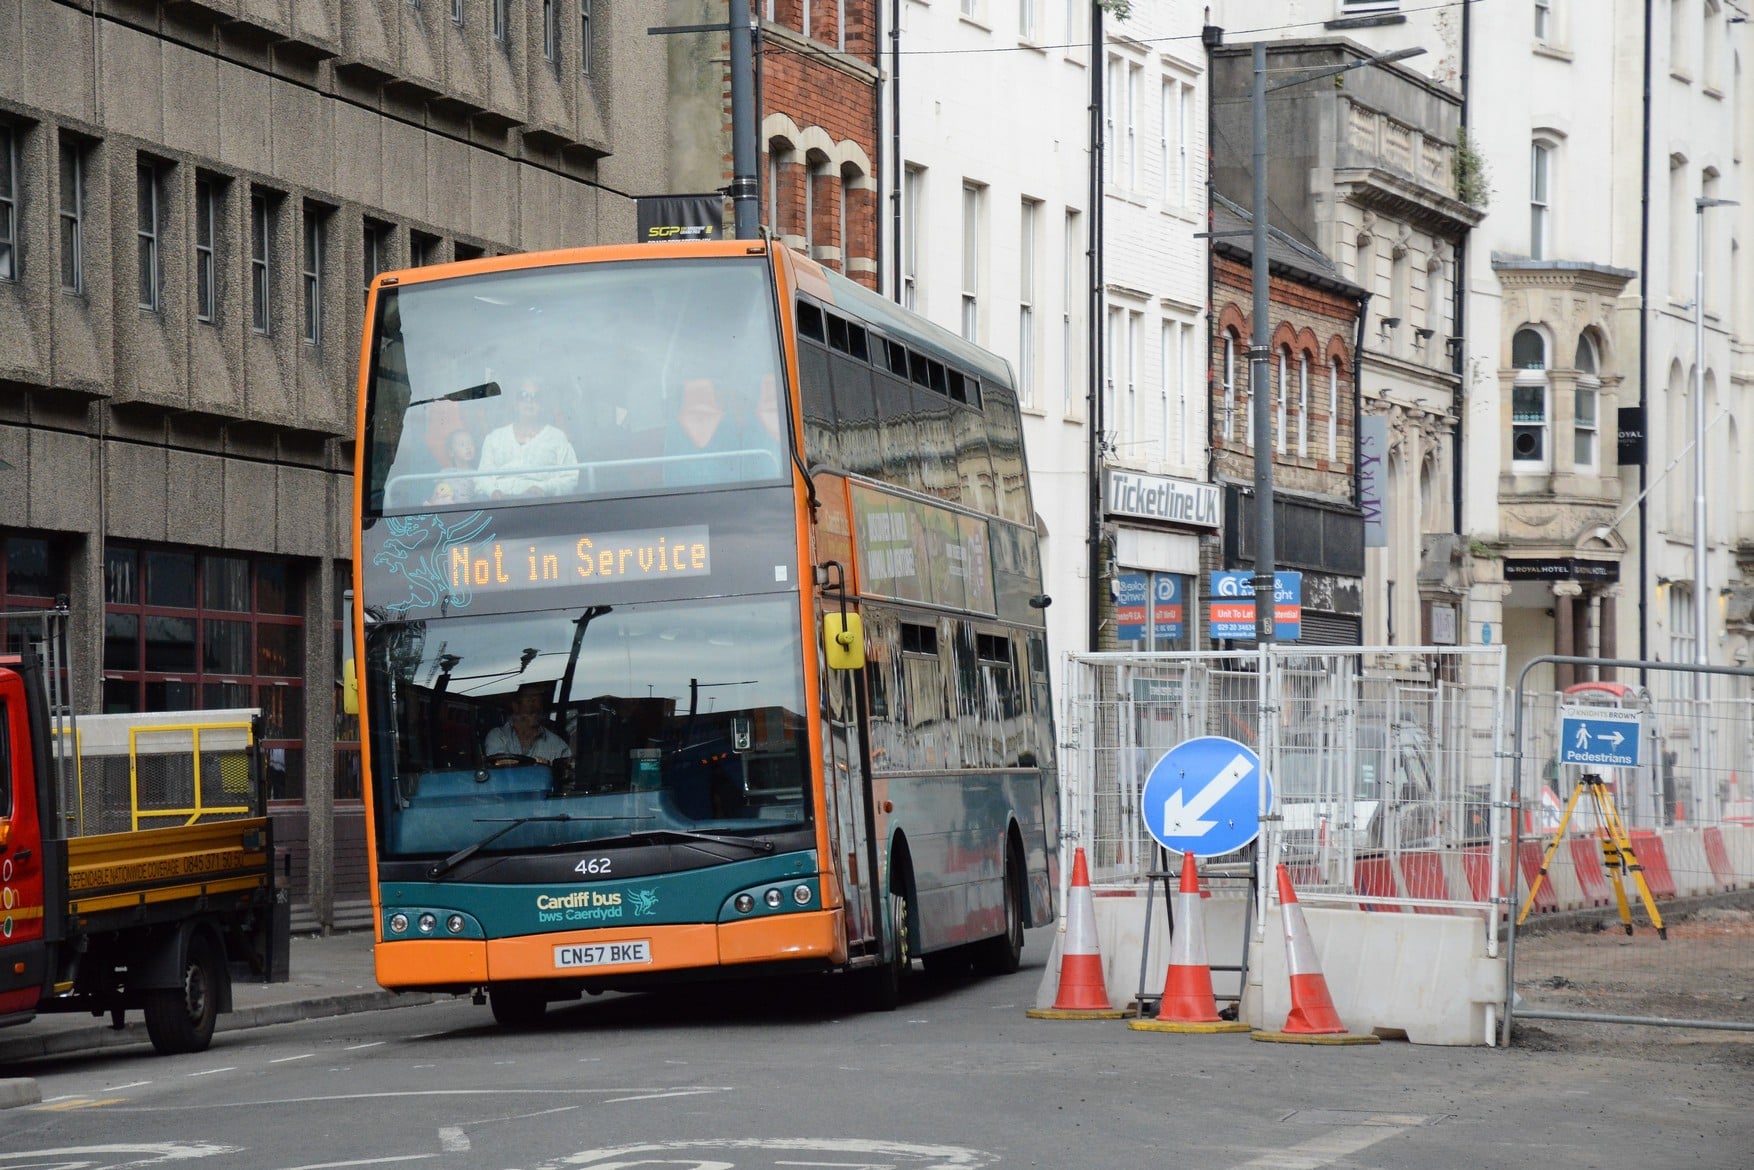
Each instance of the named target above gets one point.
<point>1547,49</point>
<point>1032,46</point>
<point>1712,90</point>
<point>1679,75</point>
<point>974,21</point>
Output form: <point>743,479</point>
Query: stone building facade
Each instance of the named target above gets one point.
<point>192,199</point>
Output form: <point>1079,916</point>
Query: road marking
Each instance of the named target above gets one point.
<point>153,1151</point>
<point>284,1059</point>
<point>454,1140</point>
<point>1329,1147</point>
<point>80,1103</point>
<point>357,1047</point>
<point>669,1093</point>
<point>895,1154</point>
<point>361,1162</point>
<point>207,1072</point>
<point>129,1085</point>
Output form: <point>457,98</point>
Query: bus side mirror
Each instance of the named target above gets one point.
<point>349,688</point>
<point>844,635</point>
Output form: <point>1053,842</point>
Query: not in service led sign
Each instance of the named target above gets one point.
<point>600,558</point>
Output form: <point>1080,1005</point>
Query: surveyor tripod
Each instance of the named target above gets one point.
<point>1617,855</point>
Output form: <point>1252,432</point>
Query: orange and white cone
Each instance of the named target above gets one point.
<point>1082,993</point>
<point>1313,1019</point>
<point>1188,1004</point>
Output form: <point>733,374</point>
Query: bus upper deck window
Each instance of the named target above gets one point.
<point>897,358</point>
<point>936,373</point>
<point>957,391</point>
<point>917,369</point>
<point>810,321</point>
<point>837,333</point>
<point>856,343</point>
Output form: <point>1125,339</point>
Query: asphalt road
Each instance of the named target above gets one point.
<point>792,1075</point>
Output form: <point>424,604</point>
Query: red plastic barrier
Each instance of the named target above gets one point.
<point>1477,865</point>
<point>1648,848</point>
<point>1376,876</point>
<point>1422,875</point>
<point>1529,854</point>
<point>1717,855</point>
<point>1586,858</point>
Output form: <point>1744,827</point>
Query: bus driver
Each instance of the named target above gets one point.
<point>522,734</point>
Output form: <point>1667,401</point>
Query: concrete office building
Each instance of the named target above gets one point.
<point>192,199</point>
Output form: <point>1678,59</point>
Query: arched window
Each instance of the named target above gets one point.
<point>1302,405</point>
<point>1229,435</point>
<point>1284,394</point>
<point>1334,408</point>
<point>1529,408</point>
<point>1586,431</point>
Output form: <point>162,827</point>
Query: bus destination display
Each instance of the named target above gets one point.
<point>575,559</point>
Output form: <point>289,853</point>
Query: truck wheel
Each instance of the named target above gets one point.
<point>180,1019</point>
<point>515,1007</point>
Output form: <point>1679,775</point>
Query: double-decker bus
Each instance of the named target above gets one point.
<point>699,630</point>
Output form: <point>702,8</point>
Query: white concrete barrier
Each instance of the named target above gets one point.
<point>1685,851</point>
<point>1425,976</point>
<point>1739,844</point>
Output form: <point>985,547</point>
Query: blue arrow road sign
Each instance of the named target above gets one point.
<point>1204,797</point>
<point>1600,737</point>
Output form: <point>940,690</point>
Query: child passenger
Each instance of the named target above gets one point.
<point>460,455</point>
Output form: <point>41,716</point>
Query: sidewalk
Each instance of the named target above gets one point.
<point>331,976</point>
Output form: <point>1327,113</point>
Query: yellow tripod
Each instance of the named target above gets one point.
<point>1617,855</point>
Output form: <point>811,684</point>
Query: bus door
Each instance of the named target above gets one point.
<point>846,785</point>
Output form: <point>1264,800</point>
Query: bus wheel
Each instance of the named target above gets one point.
<point>180,1019</point>
<point>1003,954</point>
<point>515,1007</point>
<point>886,980</point>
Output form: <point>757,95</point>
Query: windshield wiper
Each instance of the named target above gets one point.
<point>686,836</point>
<point>439,868</point>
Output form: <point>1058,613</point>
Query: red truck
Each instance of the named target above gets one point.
<point>129,880</point>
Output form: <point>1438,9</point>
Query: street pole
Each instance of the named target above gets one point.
<point>1259,340</point>
<point>745,196</point>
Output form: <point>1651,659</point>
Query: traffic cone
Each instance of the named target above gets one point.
<point>1082,994</point>
<point>1188,1004</point>
<point>1313,1019</point>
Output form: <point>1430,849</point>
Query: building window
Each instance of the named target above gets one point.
<point>72,216</point>
<point>550,31</point>
<point>1528,417</point>
<point>1543,20</point>
<point>1540,206</point>
<point>33,573</point>
<point>316,223</point>
<point>1151,611</point>
<point>1134,73</point>
<point>585,38</point>
<point>261,261</point>
<point>186,630</point>
<point>1586,443</point>
<point>8,202</point>
<point>912,224</point>
<point>1280,430</point>
<point>1229,433</point>
<point>423,249</point>
<point>148,227</point>
<point>1683,639</point>
<point>971,260</point>
<point>1027,237</point>
<point>457,13</point>
<point>499,19</point>
<point>1026,18</point>
<point>1334,408</point>
<point>378,237</point>
<point>1072,278</point>
<point>1303,406</point>
<point>206,242</point>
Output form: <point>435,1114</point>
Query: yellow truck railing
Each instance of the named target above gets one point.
<point>157,769</point>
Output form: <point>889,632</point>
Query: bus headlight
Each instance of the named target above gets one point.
<point>398,923</point>
<point>801,895</point>
<point>428,922</point>
<point>454,924</point>
<point>744,903</point>
<point>773,898</point>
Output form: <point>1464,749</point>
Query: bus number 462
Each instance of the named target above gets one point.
<point>592,865</point>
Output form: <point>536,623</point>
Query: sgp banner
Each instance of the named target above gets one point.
<point>663,218</point>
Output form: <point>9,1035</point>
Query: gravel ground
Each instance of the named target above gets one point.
<point>1703,970</point>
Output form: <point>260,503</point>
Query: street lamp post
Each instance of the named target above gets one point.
<point>1705,792</point>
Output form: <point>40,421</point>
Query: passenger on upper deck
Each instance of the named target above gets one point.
<point>741,434</point>
<point>523,448</point>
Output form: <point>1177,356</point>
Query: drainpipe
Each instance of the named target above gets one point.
<point>1644,356</point>
<point>1093,408</point>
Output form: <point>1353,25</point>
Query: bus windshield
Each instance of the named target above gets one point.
<point>586,725</point>
<point>573,381</point>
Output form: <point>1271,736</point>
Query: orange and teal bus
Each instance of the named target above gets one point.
<point>699,630</point>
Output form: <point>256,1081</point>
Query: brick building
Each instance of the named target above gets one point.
<point>1313,404</point>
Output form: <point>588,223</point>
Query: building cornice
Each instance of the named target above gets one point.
<point>1521,272</point>
<point>1399,198</point>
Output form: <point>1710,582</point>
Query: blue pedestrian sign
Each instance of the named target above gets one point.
<point>1601,737</point>
<point>1204,797</point>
